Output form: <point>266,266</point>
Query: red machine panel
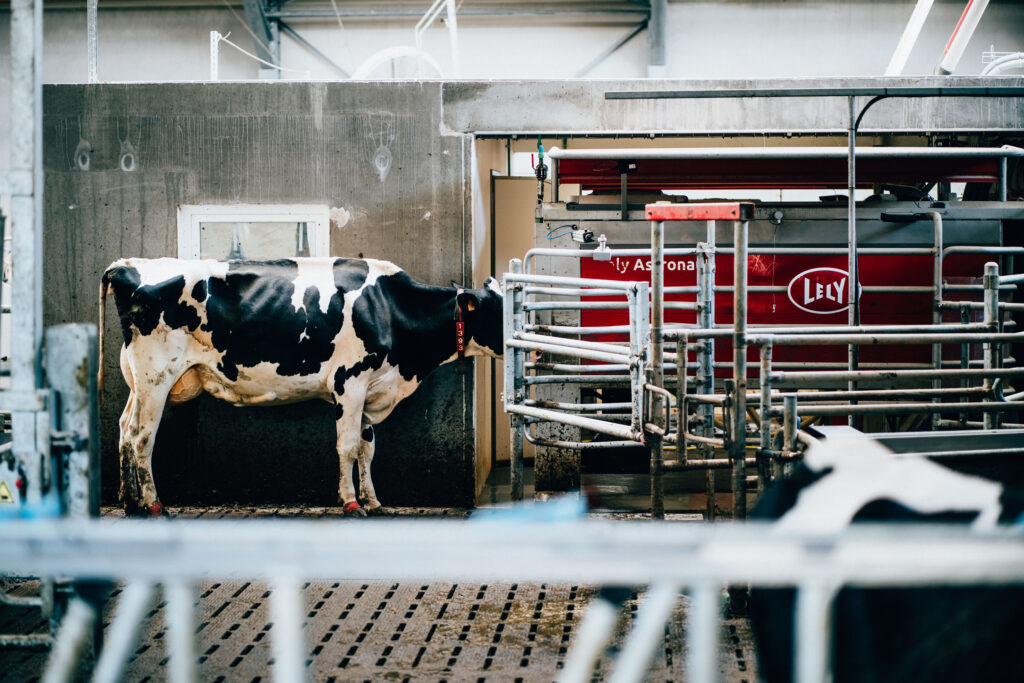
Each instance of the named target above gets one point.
<point>816,291</point>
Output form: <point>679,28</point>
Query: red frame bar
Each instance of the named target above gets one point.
<point>722,211</point>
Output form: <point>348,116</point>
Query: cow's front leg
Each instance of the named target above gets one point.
<point>366,492</point>
<point>348,409</point>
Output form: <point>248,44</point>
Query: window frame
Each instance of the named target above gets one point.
<point>192,216</point>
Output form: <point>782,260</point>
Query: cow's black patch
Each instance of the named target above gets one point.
<point>199,291</point>
<point>251,317</point>
<point>370,361</point>
<point>142,306</point>
<point>412,325</point>
<point>368,434</point>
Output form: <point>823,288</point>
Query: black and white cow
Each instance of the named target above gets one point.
<point>942,633</point>
<point>357,332</point>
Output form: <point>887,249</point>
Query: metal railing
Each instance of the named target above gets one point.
<point>659,382</point>
<point>670,559</point>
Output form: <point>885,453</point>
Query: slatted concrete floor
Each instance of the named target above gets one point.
<point>377,631</point>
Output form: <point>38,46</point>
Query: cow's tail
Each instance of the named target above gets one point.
<point>104,290</point>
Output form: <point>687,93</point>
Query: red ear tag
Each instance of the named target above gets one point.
<point>460,336</point>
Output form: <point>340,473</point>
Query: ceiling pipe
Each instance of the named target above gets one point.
<point>961,36</point>
<point>909,38</point>
<point>1003,63</point>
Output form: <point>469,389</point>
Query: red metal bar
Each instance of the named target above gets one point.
<point>731,211</point>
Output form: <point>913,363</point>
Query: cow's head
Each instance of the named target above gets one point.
<point>482,313</point>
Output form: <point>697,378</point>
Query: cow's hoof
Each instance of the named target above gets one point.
<point>156,510</point>
<point>352,509</point>
<point>132,508</point>
<point>378,511</point>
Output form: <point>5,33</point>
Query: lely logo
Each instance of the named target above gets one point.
<point>820,290</point>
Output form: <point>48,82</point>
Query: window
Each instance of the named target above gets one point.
<point>252,231</point>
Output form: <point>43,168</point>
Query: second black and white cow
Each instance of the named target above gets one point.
<point>357,332</point>
<point>949,633</point>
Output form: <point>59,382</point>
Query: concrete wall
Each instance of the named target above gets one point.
<point>266,143</point>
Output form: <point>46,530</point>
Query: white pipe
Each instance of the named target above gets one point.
<point>961,36</point>
<point>453,37</point>
<point>1005,62</point>
<point>214,54</point>
<point>92,41</point>
<point>909,38</point>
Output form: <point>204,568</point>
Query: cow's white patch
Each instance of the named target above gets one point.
<point>339,217</point>
<point>863,470</point>
<point>318,273</point>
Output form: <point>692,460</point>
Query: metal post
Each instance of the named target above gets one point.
<point>639,311</point>
<point>31,427</point>
<point>592,635</point>
<point>706,275</point>
<point>72,639</point>
<point>122,634</point>
<point>813,633</point>
<point>937,242</point>
<point>657,366</point>
<point>181,644</point>
<point>991,285</point>
<point>635,657</point>
<point>92,41</point>
<point>851,244</point>
<point>702,634</point>
<point>71,362</point>
<point>682,349</point>
<point>1002,179</point>
<point>514,377</point>
<point>286,615</point>
<point>763,463</point>
<point>789,426</point>
<point>737,448</point>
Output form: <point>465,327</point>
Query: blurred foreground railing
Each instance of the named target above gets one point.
<point>669,558</point>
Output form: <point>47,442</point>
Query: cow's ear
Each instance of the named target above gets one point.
<point>468,301</point>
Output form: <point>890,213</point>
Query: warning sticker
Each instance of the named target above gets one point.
<point>5,493</point>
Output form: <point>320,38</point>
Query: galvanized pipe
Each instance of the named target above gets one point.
<point>122,634</point>
<point>617,349</point>
<point>763,471</point>
<point>937,244</point>
<point>903,408</point>
<point>812,626</point>
<point>870,339</point>
<point>721,332</point>
<point>657,371</point>
<point>514,380</point>
<point>739,372</point>
<point>287,639</point>
<point>181,645</point>
<point>787,377</point>
<point>645,637</point>
<point>564,350</point>
<point>600,426</point>
<point>73,635</point>
<point>991,282</point>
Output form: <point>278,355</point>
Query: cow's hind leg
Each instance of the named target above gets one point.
<point>139,425</point>
<point>366,492</point>
<point>348,409</point>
